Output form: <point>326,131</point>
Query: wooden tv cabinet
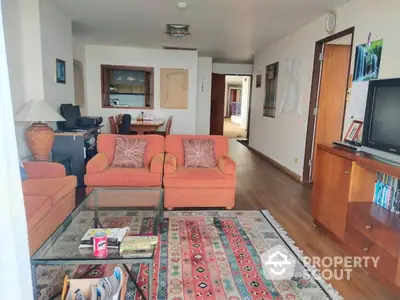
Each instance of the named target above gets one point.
<point>342,203</point>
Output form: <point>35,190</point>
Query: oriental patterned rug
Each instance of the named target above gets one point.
<point>210,255</point>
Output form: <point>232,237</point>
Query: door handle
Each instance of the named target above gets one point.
<point>347,172</point>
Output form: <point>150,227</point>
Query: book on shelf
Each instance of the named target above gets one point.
<point>387,192</point>
<point>114,237</point>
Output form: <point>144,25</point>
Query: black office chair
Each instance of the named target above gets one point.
<point>125,124</point>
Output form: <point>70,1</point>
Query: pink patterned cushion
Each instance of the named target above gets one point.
<point>199,153</point>
<point>129,153</point>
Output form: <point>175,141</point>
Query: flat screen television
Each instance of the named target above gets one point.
<point>382,116</point>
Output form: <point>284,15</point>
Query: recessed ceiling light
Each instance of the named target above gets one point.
<point>182,5</point>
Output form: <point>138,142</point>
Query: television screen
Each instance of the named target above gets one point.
<point>386,117</point>
<point>382,118</point>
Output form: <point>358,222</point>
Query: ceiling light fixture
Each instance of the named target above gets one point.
<point>178,31</point>
<point>182,5</point>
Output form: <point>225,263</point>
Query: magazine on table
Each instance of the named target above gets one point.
<point>114,237</point>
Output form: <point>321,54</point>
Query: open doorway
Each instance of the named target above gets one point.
<point>230,106</point>
<point>331,77</point>
<point>236,106</point>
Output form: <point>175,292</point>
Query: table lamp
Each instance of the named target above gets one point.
<point>39,136</point>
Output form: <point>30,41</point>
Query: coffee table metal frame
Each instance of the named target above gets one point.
<point>101,261</point>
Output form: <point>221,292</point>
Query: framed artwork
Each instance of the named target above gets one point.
<point>353,132</point>
<point>368,61</point>
<point>60,71</point>
<point>258,81</point>
<point>174,88</point>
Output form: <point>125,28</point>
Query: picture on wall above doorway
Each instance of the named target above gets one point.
<point>258,81</point>
<point>368,61</point>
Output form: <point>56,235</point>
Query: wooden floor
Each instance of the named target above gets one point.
<point>262,186</point>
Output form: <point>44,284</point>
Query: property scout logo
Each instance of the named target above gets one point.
<point>279,263</point>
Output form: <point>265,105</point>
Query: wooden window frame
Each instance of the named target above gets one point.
<point>105,84</point>
<point>271,84</point>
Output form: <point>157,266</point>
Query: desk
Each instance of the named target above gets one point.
<point>146,126</point>
<point>75,144</point>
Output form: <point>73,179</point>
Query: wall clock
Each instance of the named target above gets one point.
<point>331,22</point>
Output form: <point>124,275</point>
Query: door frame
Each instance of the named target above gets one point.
<point>230,87</point>
<point>315,86</point>
<point>250,98</point>
<point>249,110</point>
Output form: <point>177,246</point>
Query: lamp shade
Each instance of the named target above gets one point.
<point>38,111</point>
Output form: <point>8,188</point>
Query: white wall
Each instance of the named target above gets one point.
<point>14,49</point>
<point>31,50</point>
<point>36,33</point>
<point>23,46</point>
<point>56,36</point>
<point>244,114</point>
<point>15,281</point>
<point>78,51</point>
<point>283,138</point>
<point>184,119</point>
<point>233,69</point>
<point>204,74</point>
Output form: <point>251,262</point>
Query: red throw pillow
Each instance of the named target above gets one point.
<point>129,153</point>
<point>199,153</point>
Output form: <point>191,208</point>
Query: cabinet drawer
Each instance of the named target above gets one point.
<point>375,231</point>
<point>362,246</point>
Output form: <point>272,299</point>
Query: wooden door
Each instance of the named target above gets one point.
<point>331,192</point>
<point>332,97</point>
<point>217,104</point>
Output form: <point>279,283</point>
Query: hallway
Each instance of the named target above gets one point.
<point>232,130</point>
<point>262,186</point>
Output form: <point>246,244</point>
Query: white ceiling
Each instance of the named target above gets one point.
<point>228,30</point>
<point>234,79</point>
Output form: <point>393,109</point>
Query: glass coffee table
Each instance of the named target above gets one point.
<point>139,209</point>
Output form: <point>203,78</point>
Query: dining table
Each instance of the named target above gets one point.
<point>145,126</point>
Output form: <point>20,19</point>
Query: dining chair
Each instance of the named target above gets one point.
<point>113,125</point>
<point>125,124</point>
<point>119,118</point>
<point>167,128</point>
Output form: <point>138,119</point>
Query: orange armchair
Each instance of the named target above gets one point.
<point>49,197</point>
<point>198,187</point>
<point>99,172</point>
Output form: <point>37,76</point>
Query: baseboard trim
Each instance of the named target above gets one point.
<point>277,165</point>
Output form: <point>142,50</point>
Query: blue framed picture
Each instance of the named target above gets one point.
<point>60,71</point>
<point>368,61</point>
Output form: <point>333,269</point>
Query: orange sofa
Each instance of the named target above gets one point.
<point>198,187</point>
<point>99,172</point>
<point>49,197</point>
